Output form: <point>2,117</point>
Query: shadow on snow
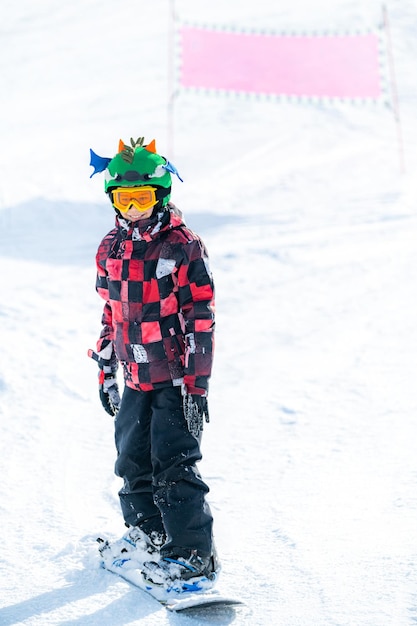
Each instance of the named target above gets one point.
<point>66,233</point>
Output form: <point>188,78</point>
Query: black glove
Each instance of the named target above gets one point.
<point>195,411</point>
<point>108,390</point>
<point>107,383</point>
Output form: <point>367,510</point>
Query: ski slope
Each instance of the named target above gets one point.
<point>311,226</point>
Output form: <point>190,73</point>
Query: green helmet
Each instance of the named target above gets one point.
<point>134,166</point>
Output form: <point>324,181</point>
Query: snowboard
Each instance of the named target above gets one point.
<point>173,599</point>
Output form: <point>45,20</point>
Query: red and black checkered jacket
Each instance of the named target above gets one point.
<point>159,294</point>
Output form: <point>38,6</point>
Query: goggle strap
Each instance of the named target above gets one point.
<point>162,192</point>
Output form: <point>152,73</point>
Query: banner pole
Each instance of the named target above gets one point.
<point>395,101</point>
<point>171,87</point>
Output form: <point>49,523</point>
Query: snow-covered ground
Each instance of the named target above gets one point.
<point>312,230</point>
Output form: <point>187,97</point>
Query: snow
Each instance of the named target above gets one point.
<point>311,227</point>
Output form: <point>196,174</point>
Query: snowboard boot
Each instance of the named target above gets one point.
<point>135,545</point>
<point>192,573</point>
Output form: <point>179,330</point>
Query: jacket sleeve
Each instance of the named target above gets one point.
<point>106,335</point>
<point>196,300</point>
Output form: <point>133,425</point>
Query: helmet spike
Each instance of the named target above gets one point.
<point>121,146</point>
<point>151,147</point>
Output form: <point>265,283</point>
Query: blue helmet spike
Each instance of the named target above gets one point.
<point>99,163</point>
<point>172,169</point>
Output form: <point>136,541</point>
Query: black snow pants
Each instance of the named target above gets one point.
<point>157,458</point>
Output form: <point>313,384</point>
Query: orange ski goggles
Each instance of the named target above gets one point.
<point>142,198</point>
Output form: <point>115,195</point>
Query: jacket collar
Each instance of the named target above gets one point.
<point>167,218</point>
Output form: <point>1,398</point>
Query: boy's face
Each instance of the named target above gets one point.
<point>135,202</point>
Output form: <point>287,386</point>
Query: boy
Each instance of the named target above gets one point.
<point>158,323</point>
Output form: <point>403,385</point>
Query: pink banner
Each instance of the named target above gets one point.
<point>335,66</point>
